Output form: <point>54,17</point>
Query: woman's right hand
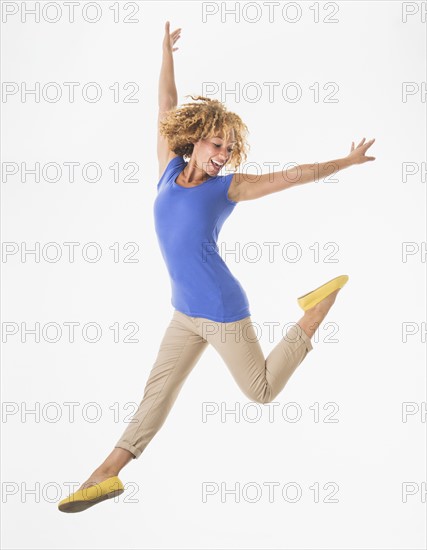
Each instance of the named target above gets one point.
<point>170,38</point>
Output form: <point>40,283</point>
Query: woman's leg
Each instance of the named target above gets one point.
<point>180,349</point>
<point>179,352</point>
<point>262,379</point>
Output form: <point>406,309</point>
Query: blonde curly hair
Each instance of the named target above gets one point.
<point>183,126</point>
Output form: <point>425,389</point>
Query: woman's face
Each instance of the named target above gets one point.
<point>214,152</point>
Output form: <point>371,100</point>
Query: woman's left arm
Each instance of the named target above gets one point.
<point>251,186</point>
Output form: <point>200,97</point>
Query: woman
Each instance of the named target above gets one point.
<point>211,307</point>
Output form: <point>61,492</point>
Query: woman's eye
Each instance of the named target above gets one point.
<point>229,150</point>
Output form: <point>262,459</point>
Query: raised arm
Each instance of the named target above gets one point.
<point>168,96</point>
<point>252,186</point>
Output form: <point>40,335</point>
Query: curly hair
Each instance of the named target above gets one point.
<point>183,126</point>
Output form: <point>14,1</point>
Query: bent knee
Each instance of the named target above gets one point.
<point>262,399</point>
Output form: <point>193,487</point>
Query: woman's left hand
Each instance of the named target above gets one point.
<point>357,155</point>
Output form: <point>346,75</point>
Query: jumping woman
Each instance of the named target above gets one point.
<point>210,306</point>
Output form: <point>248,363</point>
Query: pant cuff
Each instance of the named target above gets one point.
<point>129,448</point>
<point>296,332</point>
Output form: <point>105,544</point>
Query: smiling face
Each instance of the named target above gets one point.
<point>212,153</point>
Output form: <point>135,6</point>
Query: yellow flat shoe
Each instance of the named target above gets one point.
<point>318,294</point>
<point>80,500</point>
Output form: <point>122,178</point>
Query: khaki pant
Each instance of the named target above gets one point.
<point>183,343</point>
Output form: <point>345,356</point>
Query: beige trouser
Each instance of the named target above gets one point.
<point>183,343</point>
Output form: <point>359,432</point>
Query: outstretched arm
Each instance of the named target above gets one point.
<point>167,89</point>
<point>168,96</point>
<point>251,186</point>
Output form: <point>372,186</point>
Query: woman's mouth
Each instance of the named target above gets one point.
<point>216,166</point>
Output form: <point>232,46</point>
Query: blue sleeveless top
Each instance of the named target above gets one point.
<point>187,222</point>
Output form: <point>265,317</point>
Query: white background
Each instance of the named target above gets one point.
<point>369,211</point>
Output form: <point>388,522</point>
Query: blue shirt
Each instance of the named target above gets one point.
<point>187,222</point>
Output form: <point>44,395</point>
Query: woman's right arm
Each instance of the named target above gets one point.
<point>168,96</point>
<point>167,90</point>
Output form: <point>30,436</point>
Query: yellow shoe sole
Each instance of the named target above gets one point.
<point>85,498</point>
<point>312,298</point>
